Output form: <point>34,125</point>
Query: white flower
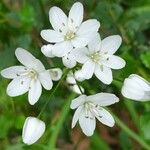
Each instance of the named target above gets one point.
<point>88,108</point>
<point>98,58</point>
<point>136,88</point>
<point>69,32</point>
<point>33,129</point>
<point>73,84</point>
<point>27,78</point>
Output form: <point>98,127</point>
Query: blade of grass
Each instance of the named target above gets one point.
<point>59,124</point>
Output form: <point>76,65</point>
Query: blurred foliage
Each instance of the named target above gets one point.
<point>20,24</point>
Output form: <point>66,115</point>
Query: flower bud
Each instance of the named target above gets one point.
<point>136,88</point>
<point>55,74</point>
<point>33,129</point>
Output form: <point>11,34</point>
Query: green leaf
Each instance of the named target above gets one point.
<point>6,122</point>
<point>145,125</point>
<point>125,142</point>
<point>145,58</point>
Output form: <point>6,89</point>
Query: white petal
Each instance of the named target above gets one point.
<point>35,91</point>
<point>88,27</point>
<point>70,78</point>
<point>81,54</point>
<point>87,124</point>
<point>55,74</point>
<point>135,87</point>
<point>46,80</point>
<point>104,74</point>
<point>33,129</point>
<point>58,19</point>
<point>103,99</point>
<point>52,36</point>
<point>12,72</point>
<point>114,62</point>
<point>146,96</point>
<point>94,44</point>
<point>85,33</point>
<point>105,117</point>
<point>79,76</point>
<point>76,116</point>
<point>75,16</point>
<point>25,57</point>
<point>28,59</point>
<point>69,61</point>
<point>61,49</point>
<point>77,101</point>
<point>18,86</point>
<point>38,66</point>
<point>111,44</point>
<point>141,81</point>
<point>80,42</point>
<point>132,93</point>
<point>47,50</point>
<point>88,69</point>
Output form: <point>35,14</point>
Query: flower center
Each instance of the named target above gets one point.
<point>32,74</point>
<point>92,108</point>
<point>95,57</point>
<point>28,72</point>
<point>70,35</point>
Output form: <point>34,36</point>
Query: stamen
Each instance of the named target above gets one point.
<point>69,35</point>
<point>71,20</point>
<point>17,74</point>
<point>63,24</point>
<point>95,57</point>
<point>101,67</point>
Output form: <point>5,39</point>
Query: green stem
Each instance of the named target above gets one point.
<point>79,87</point>
<point>59,124</point>
<point>131,133</point>
<point>131,108</point>
<point>52,93</point>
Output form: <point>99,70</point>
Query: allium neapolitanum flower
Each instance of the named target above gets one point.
<point>29,77</point>
<point>33,129</point>
<point>69,32</point>
<point>88,108</point>
<point>98,58</point>
<point>136,88</point>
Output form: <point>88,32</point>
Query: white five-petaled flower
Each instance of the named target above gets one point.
<point>136,88</point>
<point>98,58</point>
<point>88,108</point>
<point>69,32</point>
<point>27,78</point>
<point>33,129</point>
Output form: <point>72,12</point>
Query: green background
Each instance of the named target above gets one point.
<point>20,24</point>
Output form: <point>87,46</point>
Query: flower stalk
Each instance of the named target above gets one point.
<point>52,93</point>
<point>131,133</point>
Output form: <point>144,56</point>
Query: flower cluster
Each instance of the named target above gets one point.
<point>79,44</point>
